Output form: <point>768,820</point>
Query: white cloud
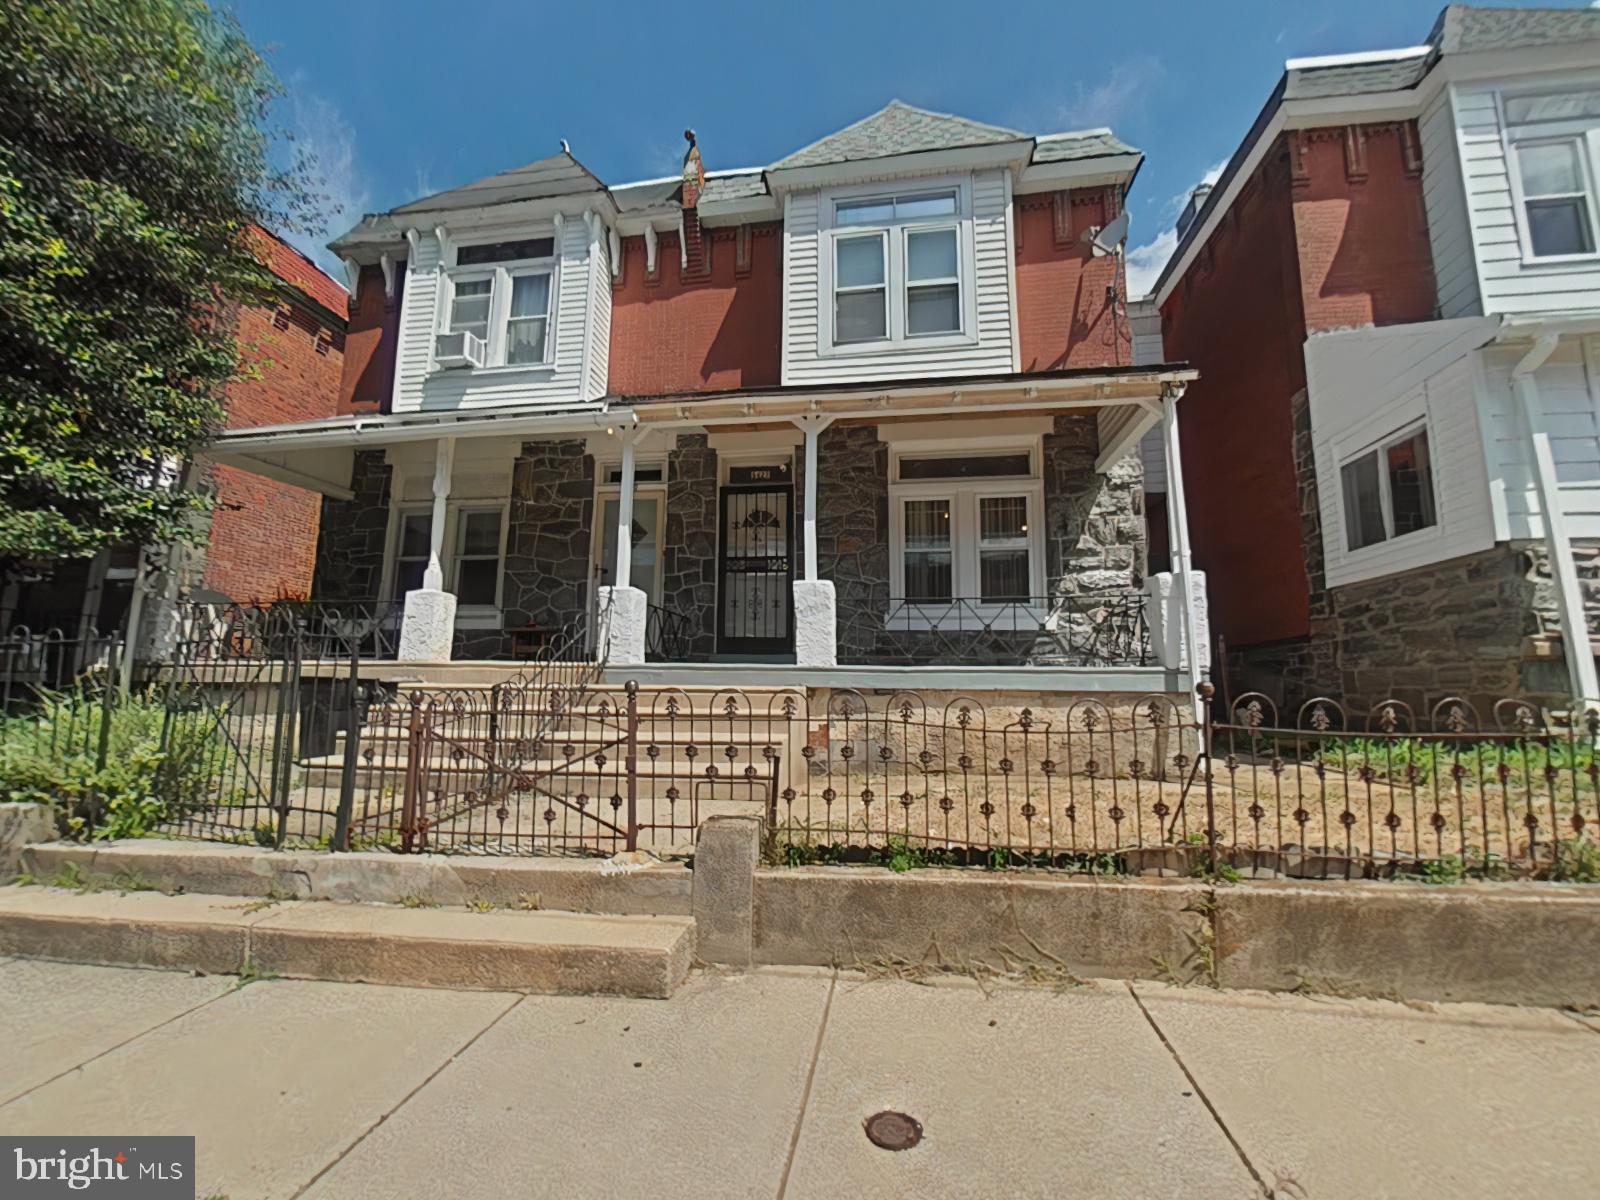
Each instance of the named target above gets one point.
<point>323,135</point>
<point>1121,93</point>
<point>1145,261</point>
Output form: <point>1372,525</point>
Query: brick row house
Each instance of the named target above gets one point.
<point>263,532</point>
<point>866,415</point>
<point>1392,297</point>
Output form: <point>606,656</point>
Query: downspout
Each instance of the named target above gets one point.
<point>1563,570</point>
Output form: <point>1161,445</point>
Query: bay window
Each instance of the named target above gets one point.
<point>1553,143</point>
<point>900,269</point>
<point>965,532</point>
<point>503,293</point>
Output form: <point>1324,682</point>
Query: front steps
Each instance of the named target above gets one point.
<point>359,918</point>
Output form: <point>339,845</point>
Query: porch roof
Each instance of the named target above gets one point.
<point>318,454</point>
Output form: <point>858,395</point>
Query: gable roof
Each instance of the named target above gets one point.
<point>558,175</point>
<point>898,128</point>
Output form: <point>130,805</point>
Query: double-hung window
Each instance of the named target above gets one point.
<point>1388,490</point>
<point>965,531</point>
<point>898,268</point>
<point>504,294</point>
<point>472,553</point>
<point>1554,146</point>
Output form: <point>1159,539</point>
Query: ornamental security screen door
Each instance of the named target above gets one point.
<point>756,569</point>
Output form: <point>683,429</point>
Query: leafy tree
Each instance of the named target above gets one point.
<point>136,151</point>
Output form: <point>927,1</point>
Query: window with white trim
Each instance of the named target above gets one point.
<point>1553,142</point>
<point>899,265</point>
<point>473,553</point>
<point>1388,490</point>
<point>965,528</point>
<point>504,293</point>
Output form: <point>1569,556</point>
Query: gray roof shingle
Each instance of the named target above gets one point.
<point>1086,143</point>
<point>558,175</point>
<point>1354,79</point>
<point>1465,30</point>
<point>898,128</point>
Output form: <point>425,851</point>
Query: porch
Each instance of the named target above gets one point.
<point>972,531</point>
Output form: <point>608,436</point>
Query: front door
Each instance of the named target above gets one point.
<point>756,569</point>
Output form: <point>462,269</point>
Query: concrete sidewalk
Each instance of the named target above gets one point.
<point>757,1085</point>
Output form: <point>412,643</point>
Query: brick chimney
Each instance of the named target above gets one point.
<point>696,248</point>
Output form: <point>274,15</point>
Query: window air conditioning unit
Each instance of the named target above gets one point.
<point>460,349</point>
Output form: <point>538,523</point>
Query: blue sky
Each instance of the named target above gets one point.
<point>398,98</point>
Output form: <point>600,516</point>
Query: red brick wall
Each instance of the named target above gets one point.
<point>720,330</point>
<point>1063,319</point>
<point>1362,227</point>
<point>369,347</point>
<point>264,534</point>
<point>1236,317</point>
<point>1315,241</point>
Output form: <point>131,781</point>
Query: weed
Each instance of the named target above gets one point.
<point>530,901</point>
<point>72,876</point>
<point>1577,860</point>
<point>480,906</point>
<point>409,901</point>
<point>1199,965</point>
<point>250,973</point>
<point>25,879</point>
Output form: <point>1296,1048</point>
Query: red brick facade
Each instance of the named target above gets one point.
<point>709,329</point>
<point>1063,316</point>
<point>368,382</point>
<point>264,534</point>
<point>1330,231</point>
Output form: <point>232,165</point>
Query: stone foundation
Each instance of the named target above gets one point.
<point>1468,627</point>
<point>351,542</point>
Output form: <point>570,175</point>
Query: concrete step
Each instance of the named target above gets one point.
<point>501,950</point>
<point>570,884</point>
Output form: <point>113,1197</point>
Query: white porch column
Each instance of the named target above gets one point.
<point>1569,597</point>
<point>816,605</point>
<point>428,628</point>
<point>624,609</point>
<point>1196,656</point>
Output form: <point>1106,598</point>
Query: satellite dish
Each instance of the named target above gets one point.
<point>1109,239</point>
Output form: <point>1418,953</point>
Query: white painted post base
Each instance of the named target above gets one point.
<point>816,623</point>
<point>1163,613</point>
<point>624,612</point>
<point>428,629</point>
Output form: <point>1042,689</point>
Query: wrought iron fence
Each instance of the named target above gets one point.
<point>1103,630</point>
<point>668,634</point>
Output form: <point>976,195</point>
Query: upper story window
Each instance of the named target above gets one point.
<point>1554,143</point>
<point>1388,490</point>
<point>503,294</point>
<point>899,269</point>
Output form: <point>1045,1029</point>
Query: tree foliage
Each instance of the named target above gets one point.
<point>136,151</point>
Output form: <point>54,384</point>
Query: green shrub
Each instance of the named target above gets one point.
<point>53,756</point>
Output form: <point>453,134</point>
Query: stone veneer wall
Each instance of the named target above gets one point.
<point>1094,540</point>
<point>689,552</point>
<point>547,576</point>
<point>351,542</point>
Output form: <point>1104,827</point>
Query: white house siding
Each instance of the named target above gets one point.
<point>1144,321</point>
<point>1569,397</point>
<point>1364,385</point>
<point>420,387</point>
<point>1507,284</point>
<point>993,351</point>
<point>1455,269</point>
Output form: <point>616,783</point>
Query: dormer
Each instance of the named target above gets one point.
<point>504,288</point>
<point>900,236</point>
